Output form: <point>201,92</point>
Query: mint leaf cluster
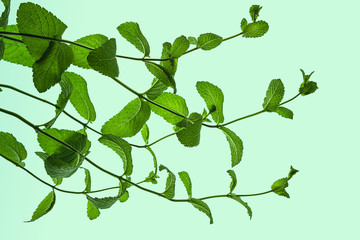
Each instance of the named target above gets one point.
<point>36,41</point>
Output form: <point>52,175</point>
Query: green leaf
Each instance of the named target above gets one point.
<point>274,95</point>
<point>279,187</point>
<point>292,172</point>
<point>203,207</point>
<point>179,47</point>
<point>305,76</point>
<point>92,211</point>
<point>66,90</point>
<point>123,186</point>
<point>255,29</point>
<point>190,135</point>
<point>44,207</point>
<point>124,197</point>
<point>131,32</point>
<point>11,149</point>
<point>170,183</point>
<point>103,203</point>
<point>103,59</point>
<point>213,96</point>
<point>285,112</point>
<point>88,143</point>
<point>48,69</point>
<point>152,178</point>
<point>57,181</point>
<point>33,19</point>
<point>62,162</point>
<point>80,97</point>
<point>145,133</point>
<point>16,52</point>
<point>122,148</point>
<point>238,199</point>
<point>308,88</point>
<point>156,89</point>
<point>192,40</point>
<point>169,65</point>
<point>254,12</point>
<point>4,18</point>
<point>185,178</point>
<point>87,180</point>
<point>236,146</point>
<point>243,24</point>
<point>6,2</point>
<point>129,120</point>
<point>57,167</point>
<point>233,180</point>
<point>2,48</point>
<point>162,74</point>
<point>42,155</point>
<point>81,54</point>
<point>208,41</point>
<point>157,86</point>
<point>173,102</point>
<point>63,165</point>
<point>50,146</point>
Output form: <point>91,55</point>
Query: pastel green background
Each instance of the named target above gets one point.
<point>322,141</point>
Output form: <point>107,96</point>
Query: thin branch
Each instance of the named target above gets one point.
<point>247,116</point>
<point>5,33</point>
<point>54,186</point>
<point>102,169</point>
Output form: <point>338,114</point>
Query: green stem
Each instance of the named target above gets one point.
<point>250,115</point>
<point>238,119</point>
<point>189,51</point>
<point>160,139</point>
<point>233,36</point>
<point>206,116</point>
<point>239,195</point>
<point>117,187</point>
<point>50,103</point>
<point>290,99</point>
<point>54,186</point>
<point>135,184</point>
<point>4,33</point>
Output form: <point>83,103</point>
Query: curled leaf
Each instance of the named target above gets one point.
<point>279,186</point>
<point>236,146</point>
<point>185,178</point>
<point>233,180</point>
<point>44,207</point>
<point>103,203</point>
<point>170,183</point>
<point>203,207</point>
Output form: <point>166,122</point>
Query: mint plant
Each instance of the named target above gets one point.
<point>36,42</point>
